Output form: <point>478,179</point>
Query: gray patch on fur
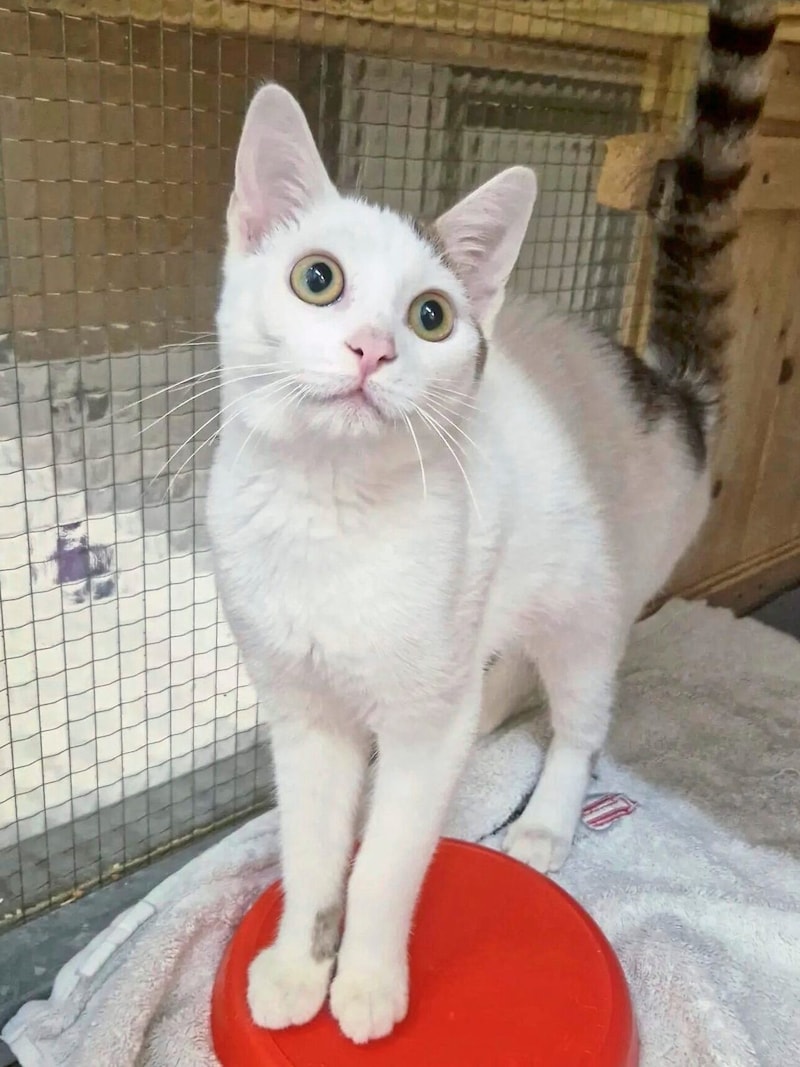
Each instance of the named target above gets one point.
<point>483,352</point>
<point>326,935</point>
<point>657,397</point>
<point>491,661</point>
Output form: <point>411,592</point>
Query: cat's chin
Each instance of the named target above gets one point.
<point>342,417</point>
<point>351,414</point>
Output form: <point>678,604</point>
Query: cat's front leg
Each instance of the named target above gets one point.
<point>319,774</point>
<point>415,780</point>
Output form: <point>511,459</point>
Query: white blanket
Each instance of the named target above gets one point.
<point>707,927</point>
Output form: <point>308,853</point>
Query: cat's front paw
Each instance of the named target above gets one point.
<point>537,847</point>
<point>368,1004</point>
<point>286,989</point>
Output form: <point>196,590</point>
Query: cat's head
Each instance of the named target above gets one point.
<point>342,318</point>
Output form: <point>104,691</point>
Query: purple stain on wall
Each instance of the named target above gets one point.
<point>86,567</point>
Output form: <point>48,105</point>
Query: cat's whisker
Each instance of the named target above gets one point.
<point>445,398</point>
<point>454,440</point>
<point>408,423</point>
<point>440,411</point>
<point>212,337</point>
<point>165,389</point>
<point>217,414</point>
<point>442,383</point>
<point>165,466</point>
<point>282,402</point>
<point>209,440</point>
<point>210,343</point>
<point>253,430</point>
<point>445,405</point>
<point>294,397</point>
<point>197,378</point>
<point>176,407</point>
<point>434,425</point>
<point>451,397</point>
<point>198,339</point>
<point>205,392</point>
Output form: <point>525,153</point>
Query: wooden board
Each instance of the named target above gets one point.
<point>783,99</point>
<point>774,505</point>
<point>752,583</point>
<point>423,30</point>
<point>602,24</point>
<point>626,178</point>
<point>756,463</point>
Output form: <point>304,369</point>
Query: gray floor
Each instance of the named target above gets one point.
<point>782,613</point>
<point>34,952</point>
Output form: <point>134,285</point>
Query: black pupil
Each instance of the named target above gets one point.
<point>431,315</point>
<point>318,277</point>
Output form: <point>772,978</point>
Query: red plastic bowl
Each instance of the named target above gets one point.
<point>506,971</point>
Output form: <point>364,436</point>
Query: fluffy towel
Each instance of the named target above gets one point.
<point>706,925</point>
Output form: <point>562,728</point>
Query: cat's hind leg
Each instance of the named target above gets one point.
<point>578,669</point>
<point>509,680</point>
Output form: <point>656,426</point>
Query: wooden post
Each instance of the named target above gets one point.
<point>669,76</point>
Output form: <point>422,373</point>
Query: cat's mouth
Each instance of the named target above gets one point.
<point>356,398</point>
<point>359,398</point>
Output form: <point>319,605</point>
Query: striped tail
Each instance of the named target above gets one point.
<point>689,330</point>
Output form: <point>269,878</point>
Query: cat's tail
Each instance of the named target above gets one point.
<point>689,329</point>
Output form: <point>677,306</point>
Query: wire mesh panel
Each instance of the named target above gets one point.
<point>127,723</point>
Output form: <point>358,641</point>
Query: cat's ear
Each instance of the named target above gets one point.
<point>483,233</point>
<point>279,172</point>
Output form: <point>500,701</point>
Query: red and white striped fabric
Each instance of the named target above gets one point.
<point>602,810</point>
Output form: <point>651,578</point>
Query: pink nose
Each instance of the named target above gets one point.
<point>371,347</point>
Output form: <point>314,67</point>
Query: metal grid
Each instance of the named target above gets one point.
<point>126,723</point>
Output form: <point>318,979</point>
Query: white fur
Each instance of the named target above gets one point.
<point>366,609</point>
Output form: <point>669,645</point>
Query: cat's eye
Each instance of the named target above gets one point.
<point>431,317</point>
<point>317,279</point>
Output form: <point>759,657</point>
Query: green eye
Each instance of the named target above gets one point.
<point>431,317</point>
<point>317,279</point>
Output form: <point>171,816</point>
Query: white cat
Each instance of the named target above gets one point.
<point>414,482</point>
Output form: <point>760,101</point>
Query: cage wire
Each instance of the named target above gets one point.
<point>127,723</point>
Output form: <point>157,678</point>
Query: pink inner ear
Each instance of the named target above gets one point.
<point>484,233</point>
<point>279,172</point>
